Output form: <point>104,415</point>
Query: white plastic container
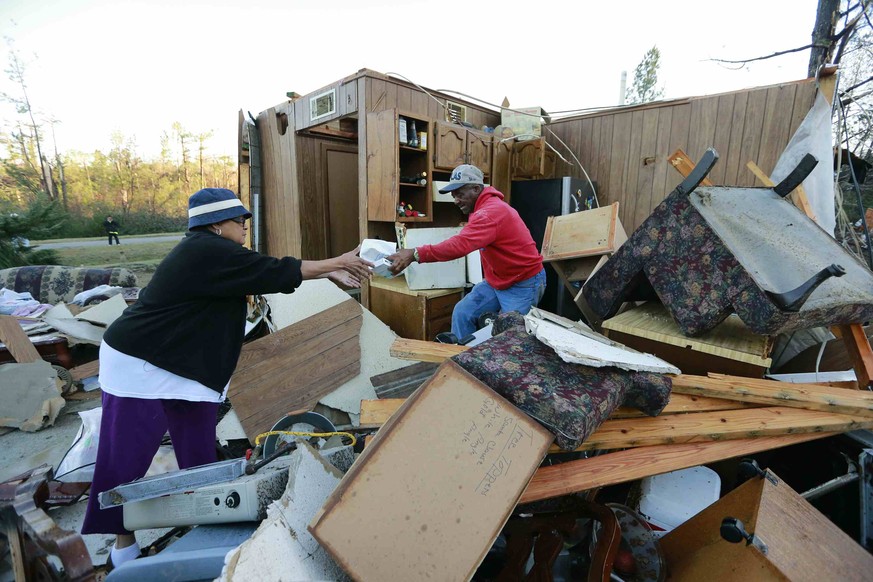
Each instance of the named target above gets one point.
<point>670,499</point>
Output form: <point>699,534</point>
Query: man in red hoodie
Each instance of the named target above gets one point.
<point>513,268</point>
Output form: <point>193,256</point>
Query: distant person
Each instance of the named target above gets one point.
<point>166,363</point>
<point>513,268</point>
<point>111,230</point>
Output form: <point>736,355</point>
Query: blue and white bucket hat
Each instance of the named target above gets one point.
<point>212,205</point>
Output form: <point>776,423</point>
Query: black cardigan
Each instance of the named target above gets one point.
<point>190,318</point>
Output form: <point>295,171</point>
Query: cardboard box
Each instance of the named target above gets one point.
<point>432,492</point>
<point>525,122</point>
<point>447,275</point>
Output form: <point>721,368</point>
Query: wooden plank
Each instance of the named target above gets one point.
<point>718,426</point>
<point>424,351</point>
<point>604,160</point>
<point>678,140</point>
<point>17,342</point>
<point>703,122</point>
<point>804,99</point>
<point>290,370</point>
<point>772,392</point>
<point>632,464</point>
<point>730,339</point>
<point>798,195</point>
<point>79,373</point>
<point>377,412</point>
<point>683,164</point>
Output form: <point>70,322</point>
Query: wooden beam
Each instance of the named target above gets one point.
<point>85,370</point>
<point>718,426</point>
<point>798,195</point>
<point>683,164</point>
<point>16,341</point>
<point>632,464</point>
<point>771,392</point>
<point>375,413</point>
<point>424,351</point>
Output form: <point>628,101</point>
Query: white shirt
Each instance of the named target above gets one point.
<point>123,375</point>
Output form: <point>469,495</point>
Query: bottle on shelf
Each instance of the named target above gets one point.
<point>419,178</point>
<point>413,134</point>
<point>402,131</point>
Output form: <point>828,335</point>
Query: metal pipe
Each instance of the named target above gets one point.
<point>832,485</point>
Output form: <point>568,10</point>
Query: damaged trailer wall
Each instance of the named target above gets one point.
<point>625,150</point>
<point>297,217</point>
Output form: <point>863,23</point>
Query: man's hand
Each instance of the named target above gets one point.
<point>400,260</point>
<point>344,279</point>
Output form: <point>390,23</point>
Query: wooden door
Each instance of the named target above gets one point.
<point>382,160</point>
<point>341,218</point>
<point>479,150</point>
<point>450,146</point>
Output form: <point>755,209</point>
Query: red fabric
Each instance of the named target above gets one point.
<point>509,254</point>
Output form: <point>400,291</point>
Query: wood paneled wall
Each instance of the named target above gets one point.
<point>625,150</point>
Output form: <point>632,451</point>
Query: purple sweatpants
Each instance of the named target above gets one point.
<point>130,434</point>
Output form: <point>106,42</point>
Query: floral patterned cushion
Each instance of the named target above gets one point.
<point>55,284</point>
<point>698,279</point>
<point>570,400</point>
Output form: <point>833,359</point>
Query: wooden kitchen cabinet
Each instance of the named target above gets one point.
<point>412,314</point>
<point>391,166</point>
<point>455,145</point>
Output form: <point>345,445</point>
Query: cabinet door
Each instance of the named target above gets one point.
<point>450,146</point>
<point>479,150</point>
<point>501,167</point>
<point>529,158</point>
<point>382,148</point>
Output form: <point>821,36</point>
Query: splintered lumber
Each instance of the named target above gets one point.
<point>632,464</point>
<point>716,426</point>
<point>86,370</point>
<point>292,369</point>
<point>377,412</point>
<point>771,392</point>
<point>424,351</point>
<point>798,196</point>
<point>403,382</point>
<point>17,342</point>
<point>684,165</point>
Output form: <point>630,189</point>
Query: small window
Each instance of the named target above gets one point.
<point>322,105</point>
<point>455,112</point>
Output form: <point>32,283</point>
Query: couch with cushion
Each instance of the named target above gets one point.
<point>55,284</point>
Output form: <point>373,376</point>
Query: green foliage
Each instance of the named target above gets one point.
<point>645,84</point>
<point>41,220</point>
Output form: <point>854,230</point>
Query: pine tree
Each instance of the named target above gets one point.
<point>645,85</point>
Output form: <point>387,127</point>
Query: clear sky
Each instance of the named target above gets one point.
<point>100,66</point>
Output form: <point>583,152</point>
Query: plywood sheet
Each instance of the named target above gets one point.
<point>582,234</point>
<point>402,515</point>
<point>290,370</point>
<point>730,339</point>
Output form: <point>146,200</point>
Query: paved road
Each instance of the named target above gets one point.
<point>133,240</point>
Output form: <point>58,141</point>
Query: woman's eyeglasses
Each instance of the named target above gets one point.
<point>238,220</point>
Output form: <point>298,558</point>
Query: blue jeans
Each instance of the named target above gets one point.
<point>484,298</point>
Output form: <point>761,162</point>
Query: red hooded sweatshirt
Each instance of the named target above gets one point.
<point>509,254</point>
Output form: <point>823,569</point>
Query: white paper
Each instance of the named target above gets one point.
<point>375,251</point>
